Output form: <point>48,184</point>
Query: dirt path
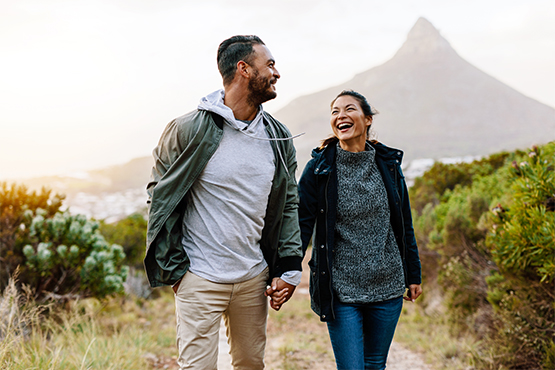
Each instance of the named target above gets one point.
<point>400,358</point>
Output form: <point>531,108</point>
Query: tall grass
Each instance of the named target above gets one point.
<point>437,341</point>
<point>115,334</point>
<point>18,321</point>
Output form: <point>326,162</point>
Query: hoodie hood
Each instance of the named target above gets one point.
<point>214,102</point>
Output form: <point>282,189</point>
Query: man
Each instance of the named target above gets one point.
<point>223,220</point>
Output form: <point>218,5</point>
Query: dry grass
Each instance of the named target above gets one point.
<point>432,337</point>
<point>114,334</point>
<point>138,334</point>
<point>297,339</point>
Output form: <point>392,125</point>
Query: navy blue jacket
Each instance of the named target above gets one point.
<point>318,205</point>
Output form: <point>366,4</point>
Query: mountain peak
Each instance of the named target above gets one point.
<point>424,38</point>
<point>423,29</point>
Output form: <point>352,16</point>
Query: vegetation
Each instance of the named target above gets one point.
<point>488,229</point>
<point>16,205</point>
<point>486,233</point>
<point>60,255</point>
<point>121,332</point>
<point>297,339</point>
<point>116,333</point>
<point>130,233</point>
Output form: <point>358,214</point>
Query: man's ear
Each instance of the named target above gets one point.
<point>243,68</point>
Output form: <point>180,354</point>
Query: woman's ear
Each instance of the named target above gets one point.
<point>369,120</point>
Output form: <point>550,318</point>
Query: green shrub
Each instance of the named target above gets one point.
<point>522,244</point>
<point>61,254</point>
<point>492,226</point>
<point>524,241</point>
<point>130,233</point>
<point>16,202</point>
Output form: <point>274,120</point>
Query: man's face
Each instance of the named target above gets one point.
<point>264,76</point>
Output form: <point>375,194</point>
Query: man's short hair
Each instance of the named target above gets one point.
<point>233,50</point>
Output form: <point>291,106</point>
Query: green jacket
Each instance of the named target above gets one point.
<point>186,146</point>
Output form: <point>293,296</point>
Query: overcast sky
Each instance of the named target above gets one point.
<point>86,84</point>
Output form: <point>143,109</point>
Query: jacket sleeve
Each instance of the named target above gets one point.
<point>290,250</point>
<point>165,154</point>
<point>308,206</point>
<point>414,269</point>
<point>163,263</point>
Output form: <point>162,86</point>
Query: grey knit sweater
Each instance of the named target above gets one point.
<point>367,266</point>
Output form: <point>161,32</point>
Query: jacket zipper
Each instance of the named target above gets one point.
<point>327,252</point>
<point>400,206</point>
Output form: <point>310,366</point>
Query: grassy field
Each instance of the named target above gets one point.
<point>131,333</point>
<point>119,333</point>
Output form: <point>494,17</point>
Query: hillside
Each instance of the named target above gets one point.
<point>432,104</point>
<point>109,193</point>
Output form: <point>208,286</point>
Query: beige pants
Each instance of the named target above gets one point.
<point>200,305</point>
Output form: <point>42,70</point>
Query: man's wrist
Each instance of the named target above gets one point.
<point>292,277</point>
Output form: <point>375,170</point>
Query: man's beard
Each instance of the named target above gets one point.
<point>260,90</point>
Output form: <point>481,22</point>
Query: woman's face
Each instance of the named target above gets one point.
<point>349,124</point>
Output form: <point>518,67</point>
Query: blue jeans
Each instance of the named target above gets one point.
<point>362,333</point>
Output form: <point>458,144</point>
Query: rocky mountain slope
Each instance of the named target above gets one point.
<point>432,104</point>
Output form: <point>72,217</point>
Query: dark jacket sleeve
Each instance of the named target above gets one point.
<point>164,263</point>
<point>308,206</point>
<point>412,257</point>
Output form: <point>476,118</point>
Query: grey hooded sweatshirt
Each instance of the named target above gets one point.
<point>224,218</point>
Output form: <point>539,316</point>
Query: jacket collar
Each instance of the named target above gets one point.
<point>325,157</point>
<point>387,153</point>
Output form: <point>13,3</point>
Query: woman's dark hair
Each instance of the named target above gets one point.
<point>233,50</point>
<point>366,109</point>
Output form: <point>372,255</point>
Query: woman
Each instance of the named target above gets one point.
<point>364,253</point>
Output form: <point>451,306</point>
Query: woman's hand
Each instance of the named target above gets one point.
<point>279,293</point>
<point>414,292</point>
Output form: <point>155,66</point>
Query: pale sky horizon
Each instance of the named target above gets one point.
<point>89,84</point>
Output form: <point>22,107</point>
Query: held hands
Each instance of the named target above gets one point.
<point>414,292</point>
<point>279,293</point>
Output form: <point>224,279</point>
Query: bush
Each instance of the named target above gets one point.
<point>522,244</point>
<point>130,233</point>
<point>61,254</point>
<point>16,202</point>
<point>492,225</point>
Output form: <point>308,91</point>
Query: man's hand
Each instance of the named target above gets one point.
<point>176,286</point>
<point>279,293</point>
<point>414,292</point>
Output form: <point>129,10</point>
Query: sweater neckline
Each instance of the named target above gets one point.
<point>356,157</point>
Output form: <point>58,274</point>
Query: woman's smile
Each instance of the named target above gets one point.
<point>349,123</point>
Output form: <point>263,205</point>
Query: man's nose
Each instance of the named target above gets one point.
<point>276,73</point>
